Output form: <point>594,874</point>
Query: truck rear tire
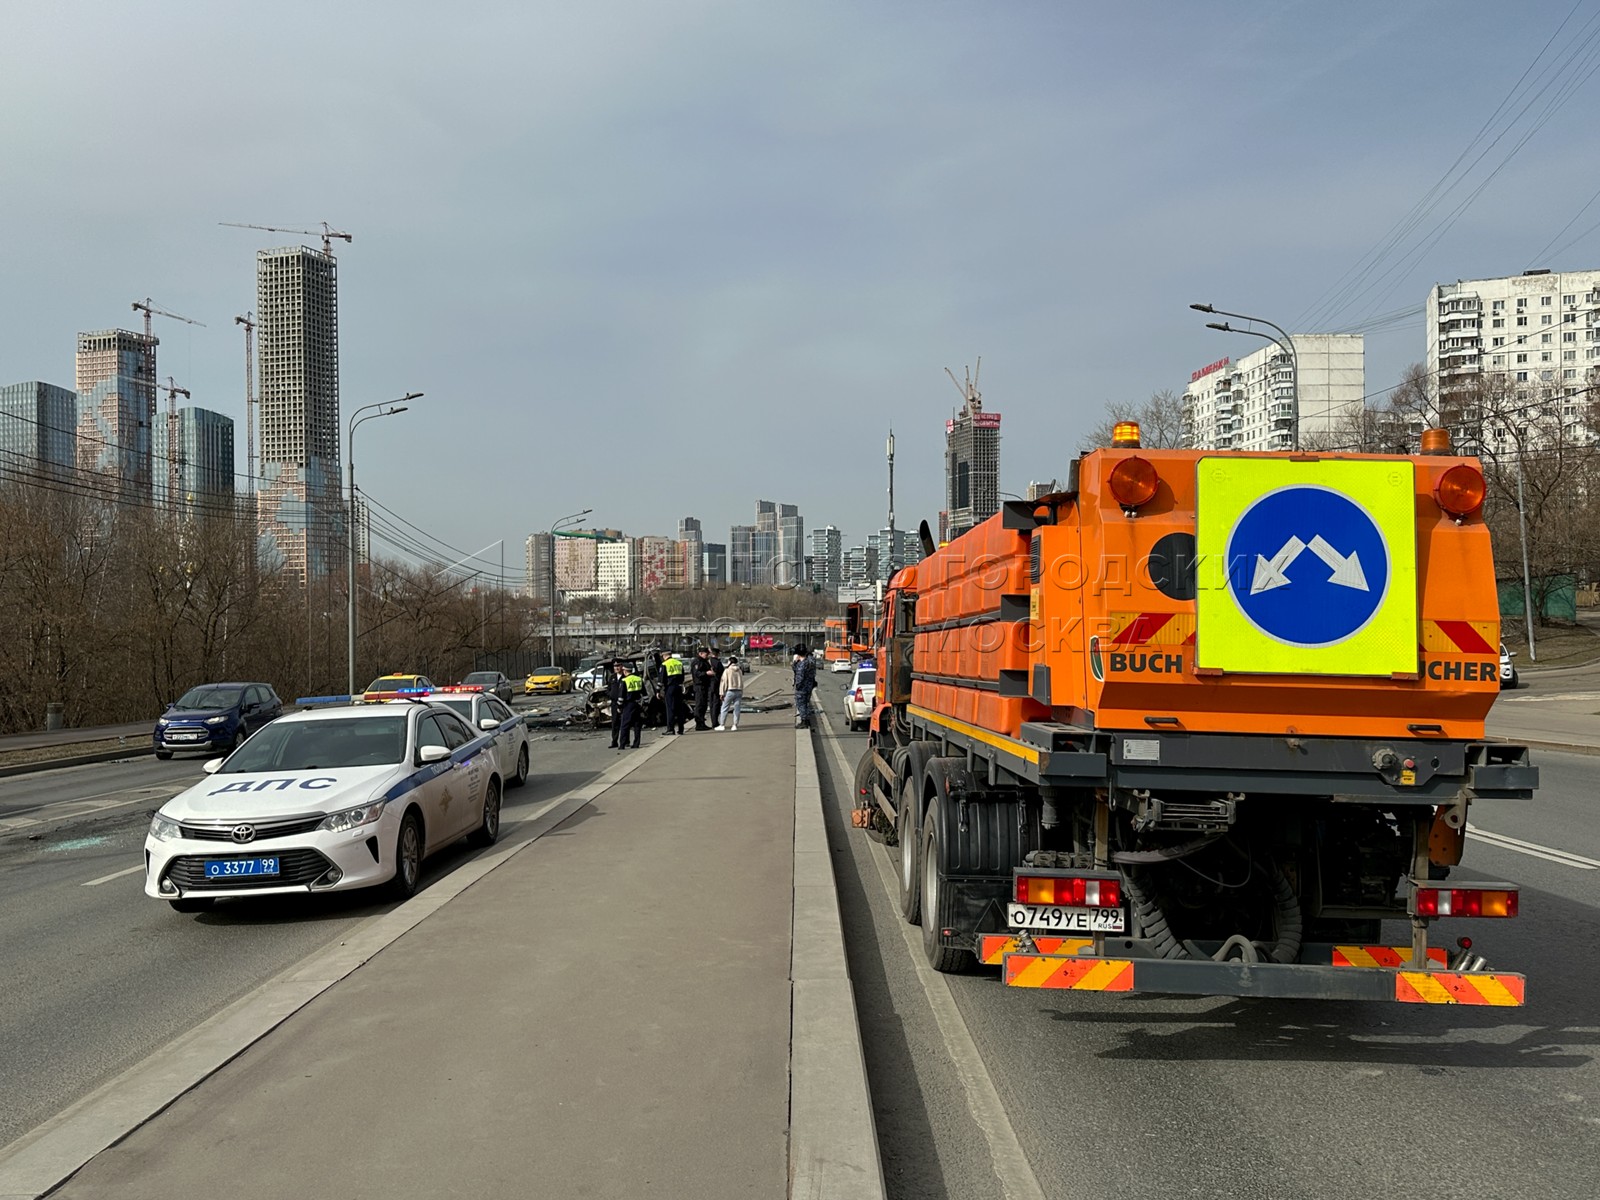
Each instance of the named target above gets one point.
<point>906,834</point>
<point>942,958</point>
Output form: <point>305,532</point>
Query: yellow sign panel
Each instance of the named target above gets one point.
<point>1306,568</point>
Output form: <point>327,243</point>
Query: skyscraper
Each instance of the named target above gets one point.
<point>741,554</point>
<point>827,555</point>
<point>37,423</point>
<point>297,331</point>
<point>204,456</point>
<point>537,557</point>
<point>116,381</point>
<point>714,557</point>
<point>971,464</point>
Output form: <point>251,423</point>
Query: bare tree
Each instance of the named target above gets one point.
<point>1160,421</point>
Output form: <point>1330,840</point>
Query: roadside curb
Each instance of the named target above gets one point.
<point>1534,744</point>
<point>47,1156</point>
<point>81,760</point>
<point>833,1140</point>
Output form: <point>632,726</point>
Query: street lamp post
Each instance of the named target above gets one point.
<point>555,592</point>
<point>1286,344</point>
<point>387,409</point>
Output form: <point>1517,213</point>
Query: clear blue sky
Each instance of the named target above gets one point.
<point>661,259</point>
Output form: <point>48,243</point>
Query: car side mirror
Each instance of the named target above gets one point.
<point>433,754</point>
<point>1511,653</point>
<point>212,766</point>
<point>488,723</point>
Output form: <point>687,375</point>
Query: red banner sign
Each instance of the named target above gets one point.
<point>1204,371</point>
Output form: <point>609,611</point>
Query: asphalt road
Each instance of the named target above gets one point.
<point>97,976</point>
<point>1161,1096</point>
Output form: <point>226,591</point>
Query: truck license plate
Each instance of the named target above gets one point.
<point>1065,920</point>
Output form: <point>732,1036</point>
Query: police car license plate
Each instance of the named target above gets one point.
<point>225,868</point>
<point>1065,920</point>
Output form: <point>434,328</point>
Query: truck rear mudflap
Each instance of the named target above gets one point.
<point>1324,972</point>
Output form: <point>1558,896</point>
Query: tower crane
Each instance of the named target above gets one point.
<point>173,392</point>
<point>149,311</point>
<point>249,323</point>
<point>327,234</point>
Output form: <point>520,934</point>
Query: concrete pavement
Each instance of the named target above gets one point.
<point>631,1005</point>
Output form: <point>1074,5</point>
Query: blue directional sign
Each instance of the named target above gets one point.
<point>1307,566</point>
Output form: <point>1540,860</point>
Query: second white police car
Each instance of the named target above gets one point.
<point>346,798</point>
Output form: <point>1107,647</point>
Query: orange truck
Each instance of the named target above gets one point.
<point>1202,722</point>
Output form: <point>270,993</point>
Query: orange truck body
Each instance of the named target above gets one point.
<point>1284,660</point>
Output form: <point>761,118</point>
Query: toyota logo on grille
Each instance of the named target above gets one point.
<point>243,833</point>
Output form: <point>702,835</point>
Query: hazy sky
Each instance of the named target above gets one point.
<point>662,257</point>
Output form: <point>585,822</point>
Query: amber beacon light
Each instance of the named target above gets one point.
<point>1460,491</point>
<point>1125,435</point>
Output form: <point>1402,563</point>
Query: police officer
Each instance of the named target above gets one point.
<point>632,709</point>
<point>672,693</point>
<point>617,693</point>
<point>705,682</point>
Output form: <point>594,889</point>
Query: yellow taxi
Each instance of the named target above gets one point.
<point>394,687</point>
<point>548,679</point>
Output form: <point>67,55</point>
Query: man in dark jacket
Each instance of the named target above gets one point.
<point>805,682</point>
<point>705,685</point>
<point>617,693</point>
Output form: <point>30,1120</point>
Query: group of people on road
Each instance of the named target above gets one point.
<point>717,688</point>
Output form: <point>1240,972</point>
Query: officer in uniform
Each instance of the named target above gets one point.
<point>672,692</point>
<point>632,709</point>
<point>617,693</point>
<point>705,681</point>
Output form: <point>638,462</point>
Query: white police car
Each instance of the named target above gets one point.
<point>486,711</point>
<point>345,798</point>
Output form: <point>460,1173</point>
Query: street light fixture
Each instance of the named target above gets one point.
<point>387,408</point>
<point>555,592</point>
<point>1286,344</point>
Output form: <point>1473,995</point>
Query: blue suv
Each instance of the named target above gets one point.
<point>215,717</point>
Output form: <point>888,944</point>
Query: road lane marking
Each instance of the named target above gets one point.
<point>113,875</point>
<point>1533,849</point>
<point>1006,1155</point>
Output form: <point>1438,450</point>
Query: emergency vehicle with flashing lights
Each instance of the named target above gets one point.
<point>1201,722</point>
<point>327,801</point>
<point>396,687</point>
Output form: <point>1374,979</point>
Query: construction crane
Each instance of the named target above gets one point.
<point>149,311</point>
<point>328,233</point>
<point>249,323</point>
<point>173,482</point>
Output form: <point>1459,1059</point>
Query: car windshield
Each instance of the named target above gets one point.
<point>210,696</point>
<point>546,671</point>
<point>392,683</point>
<point>322,745</point>
<point>462,707</point>
<point>484,677</point>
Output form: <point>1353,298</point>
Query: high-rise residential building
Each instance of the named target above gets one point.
<point>652,562</point>
<point>537,566</point>
<point>827,555</point>
<point>971,465</point>
<point>860,566</point>
<point>1537,333</point>
<point>116,383</point>
<point>204,460</point>
<point>790,568</point>
<point>893,552</point>
<point>577,564</point>
<point>765,545</point>
<point>614,569</point>
<point>742,554</point>
<point>38,424</point>
<point>689,569</point>
<point>714,562</point>
<point>297,356</point>
<point>1249,404</point>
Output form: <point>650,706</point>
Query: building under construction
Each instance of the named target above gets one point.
<point>971,463</point>
<point>116,384</point>
<point>300,506</point>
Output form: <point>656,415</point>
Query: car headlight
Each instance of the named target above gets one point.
<point>162,722</point>
<point>164,829</point>
<point>222,720</point>
<point>352,818</point>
